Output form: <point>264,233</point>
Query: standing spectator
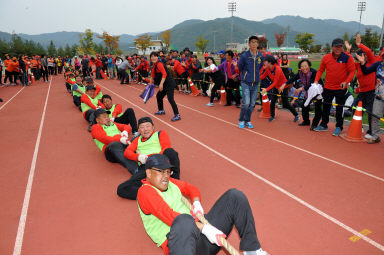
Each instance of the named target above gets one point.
<point>118,62</point>
<point>222,56</point>
<point>306,76</point>
<point>8,74</point>
<point>104,60</point>
<point>182,74</point>
<point>161,76</point>
<point>340,69</point>
<point>85,65</point>
<point>197,76</point>
<point>13,69</point>
<point>217,78</point>
<point>44,67</point>
<point>99,66</point>
<point>123,68</point>
<point>249,65</point>
<point>77,63</point>
<point>110,67</point>
<point>50,65</point>
<point>23,71</point>
<point>273,70</point>
<point>1,72</point>
<point>59,65</point>
<point>231,72</point>
<point>285,65</point>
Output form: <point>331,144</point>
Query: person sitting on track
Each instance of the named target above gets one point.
<point>171,225</point>
<point>89,103</point>
<point>78,89</point>
<point>98,92</point>
<point>116,114</point>
<point>149,142</point>
<point>112,139</point>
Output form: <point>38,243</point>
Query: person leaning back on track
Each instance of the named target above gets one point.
<point>149,142</point>
<point>112,139</point>
<point>89,103</point>
<point>174,228</point>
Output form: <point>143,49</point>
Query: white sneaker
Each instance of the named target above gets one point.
<point>261,252</point>
<point>368,136</point>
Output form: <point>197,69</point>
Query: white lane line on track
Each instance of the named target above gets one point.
<point>27,195</point>
<point>11,98</point>
<point>287,144</point>
<point>299,200</point>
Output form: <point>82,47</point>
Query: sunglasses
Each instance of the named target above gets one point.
<point>163,171</point>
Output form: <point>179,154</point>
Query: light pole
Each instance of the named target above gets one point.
<point>214,40</point>
<point>382,32</point>
<point>231,9</point>
<point>361,5</point>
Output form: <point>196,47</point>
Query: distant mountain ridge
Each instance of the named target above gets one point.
<point>185,33</point>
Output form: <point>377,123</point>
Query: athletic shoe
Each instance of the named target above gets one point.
<point>304,123</point>
<point>249,125</point>
<point>241,124</point>
<point>312,128</point>
<point>372,141</point>
<point>321,128</point>
<point>271,119</point>
<point>161,112</point>
<point>176,117</point>
<point>337,131</point>
<point>261,252</point>
<point>209,104</point>
<point>368,136</point>
<point>297,118</point>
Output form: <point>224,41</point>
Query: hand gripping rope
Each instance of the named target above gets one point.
<point>231,250</point>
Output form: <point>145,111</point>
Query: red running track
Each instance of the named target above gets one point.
<point>308,191</point>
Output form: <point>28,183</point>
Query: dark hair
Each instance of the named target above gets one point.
<point>144,120</point>
<point>230,53</point>
<point>211,58</point>
<point>304,60</point>
<point>154,53</point>
<point>194,56</point>
<point>105,96</point>
<point>270,59</point>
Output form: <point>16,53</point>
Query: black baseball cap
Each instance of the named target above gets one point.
<point>91,87</point>
<point>253,37</point>
<point>89,80</point>
<point>100,111</point>
<point>337,42</point>
<point>159,161</point>
<point>144,119</point>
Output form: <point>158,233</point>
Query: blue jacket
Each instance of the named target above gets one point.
<point>250,67</point>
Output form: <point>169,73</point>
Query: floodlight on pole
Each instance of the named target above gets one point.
<point>361,6</point>
<point>231,9</point>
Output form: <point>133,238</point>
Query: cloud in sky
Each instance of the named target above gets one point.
<point>135,17</point>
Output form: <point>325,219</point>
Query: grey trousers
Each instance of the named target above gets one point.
<point>378,109</point>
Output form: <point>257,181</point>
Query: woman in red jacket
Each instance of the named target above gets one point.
<point>273,70</point>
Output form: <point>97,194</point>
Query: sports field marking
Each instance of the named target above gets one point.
<point>11,98</point>
<point>356,238</point>
<point>27,196</point>
<point>287,144</point>
<point>299,200</point>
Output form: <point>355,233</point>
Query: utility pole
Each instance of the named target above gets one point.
<point>214,40</point>
<point>231,9</point>
<point>382,32</point>
<point>361,6</point>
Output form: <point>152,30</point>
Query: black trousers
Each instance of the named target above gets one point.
<point>114,152</point>
<point>44,72</point>
<point>169,90</point>
<point>8,75</point>
<point>124,76</point>
<point>128,117</point>
<point>230,210</point>
<point>142,75</point>
<point>215,88</point>
<point>77,101</point>
<point>328,96</point>
<point>129,188</point>
<point>98,75</point>
<point>233,91</point>
<point>284,99</point>
<point>85,72</point>
<point>318,112</point>
<point>367,98</point>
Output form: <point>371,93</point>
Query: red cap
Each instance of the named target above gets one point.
<point>206,55</point>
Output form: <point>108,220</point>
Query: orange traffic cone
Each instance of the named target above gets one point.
<point>354,131</point>
<point>33,79</point>
<point>266,113</point>
<point>223,96</point>
<point>194,90</point>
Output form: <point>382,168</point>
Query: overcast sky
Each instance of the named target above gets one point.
<point>135,17</point>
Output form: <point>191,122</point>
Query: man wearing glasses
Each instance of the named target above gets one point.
<point>173,227</point>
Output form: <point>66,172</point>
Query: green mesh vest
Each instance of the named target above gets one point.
<point>112,110</point>
<point>155,228</point>
<point>150,146</point>
<point>85,107</point>
<point>110,130</point>
<point>80,87</point>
